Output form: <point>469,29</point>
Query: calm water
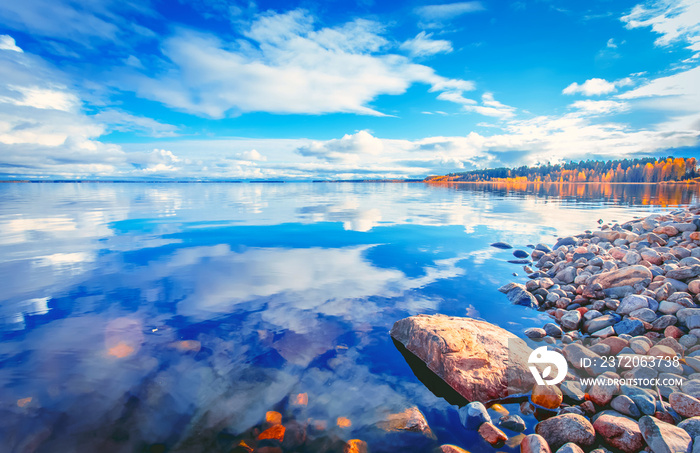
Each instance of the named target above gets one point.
<point>172,317</point>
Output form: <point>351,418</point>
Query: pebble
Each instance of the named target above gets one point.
<point>565,428</point>
<point>534,443</point>
<point>619,431</point>
<point>473,415</point>
<point>492,434</point>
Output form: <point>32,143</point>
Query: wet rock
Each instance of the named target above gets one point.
<point>662,437</point>
<point>473,415</point>
<point>513,423</point>
<point>411,419</point>
<point>501,245</point>
<point>447,448</point>
<point>553,330</point>
<point>619,431</point>
<point>479,360</point>
<point>519,295</point>
<point>565,428</point>
<point>535,333</point>
<point>691,426</point>
<point>534,443</point>
<point>547,396</point>
<point>492,435</point>
<point>686,405</point>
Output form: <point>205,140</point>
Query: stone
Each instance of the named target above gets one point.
<point>631,303</point>
<point>553,330</point>
<point>513,423</point>
<point>686,405</point>
<point>473,415</point>
<point>600,323</point>
<point>571,320</point>
<point>448,448</point>
<point>616,344</point>
<point>644,401</point>
<point>354,446</point>
<point>684,313</point>
<point>624,405</point>
<point>534,443</point>
<point>492,435</point>
<point>520,253</point>
<point>627,276</point>
<point>570,447</point>
<point>411,419</point>
<point>479,360</point>
<point>501,245</point>
<point>602,392</point>
<point>662,352</point>
<point>691,426</point>
<point>573,390</point>
<point>669,308</point>
<point>565,428</point>
<point>519,295</point>
<point>619,431</point>
<point>575,353</point>
<point>535,333</point>
<point>662,437</point>
<point>663,322</point>
<point>694,286</point>
<point>645,314</point>
<point>630,327</point>
<point>547,396</point>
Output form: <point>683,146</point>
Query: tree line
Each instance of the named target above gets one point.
<point>626,170</point>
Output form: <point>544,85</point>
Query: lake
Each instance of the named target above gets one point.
<point>176,317</point>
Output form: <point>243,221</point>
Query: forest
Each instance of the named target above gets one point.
<point>645,170</point>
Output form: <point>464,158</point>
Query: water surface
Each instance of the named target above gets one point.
<point>167,317</point>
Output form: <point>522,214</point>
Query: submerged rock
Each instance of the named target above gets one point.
<point>479,360</point>
<point>501,245</point>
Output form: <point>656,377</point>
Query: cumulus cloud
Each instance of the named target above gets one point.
<point>252,155</point>
<point>7,42</point>
<point>423,45</point>
<point>673,20</point>
<point>599,107</point>
<point>287,65</point>
<point>347,148</point>
<point>591,87</point>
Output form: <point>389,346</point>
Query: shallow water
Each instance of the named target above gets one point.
<point>172,317</point>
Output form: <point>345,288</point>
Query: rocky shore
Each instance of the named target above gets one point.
<point>624,302</point>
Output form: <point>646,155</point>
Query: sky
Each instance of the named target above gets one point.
<point>302,90</point>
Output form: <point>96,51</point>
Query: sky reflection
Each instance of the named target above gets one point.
<point>141,314</point>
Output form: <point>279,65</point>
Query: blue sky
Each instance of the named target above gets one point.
<point>323,90</point>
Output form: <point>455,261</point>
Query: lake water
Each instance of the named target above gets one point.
<point>173,317</point>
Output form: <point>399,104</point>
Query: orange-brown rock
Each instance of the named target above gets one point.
<point>627,276</point>
<point>547,396</point>
<point>469,355</point>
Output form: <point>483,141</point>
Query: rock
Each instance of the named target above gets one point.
<point>624,405</point>
<point>534,443</point>
<point>662,437</point>
<point>501,245</point>
<point>492,435</point>
<point>575,353</point>
<point>619,431</point>
<point>569,240</point>
<point>573,390</point>
<point>567,275</point>
<point>411,419</point>
<point>565,428</point>
<point>513,423</point>
<point>479,360</point>
<point>616,344</point>
<point>627,276</point>
<point>663,322</point>
<point>571,320</point>
<point>662,352</point>
<point>631,303</point>
<point>553,330</point>
<point>535,333</point>
<point>644,401</point>
<point>570,447</point>
<point>520,254</point>
<point>473,415</point>
<point>601,392</point>
<point>547,396</point>
<point>645,314</point>
<point>519,295</point>
<point>600,323</point>
<point>694,286</point>
<point>686,405</point>
<point>447,448</point>
<point>684,313</point>
<point>632,327</point>
<point>684,272</point>
<point>353,446</point>
<point>691,426</point>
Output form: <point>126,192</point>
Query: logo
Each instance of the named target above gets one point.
<point>540,356</point>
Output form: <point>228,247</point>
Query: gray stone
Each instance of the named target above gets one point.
<point>662,437</point>
<point>625,405</point>
<point>473,415</point>
<point>513,423</point>
<point>535,333</point>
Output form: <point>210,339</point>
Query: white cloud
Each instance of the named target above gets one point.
<point>599,107</point>
<point>591,87</point>
<point>674,20</point>
<point>348,148</point>
<point>7,42</point>
<point>448,10</point>
<point>611,44</point>
<point>121,121</point>
<point>252,155</point>
<point>489,106</point>
<point>423,45</point>
<point>287,66</point>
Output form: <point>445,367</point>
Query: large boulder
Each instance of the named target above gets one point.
<point>619,432</point>
<point>481,361</point>
<point>663,437</point>
<point>627,276</point>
